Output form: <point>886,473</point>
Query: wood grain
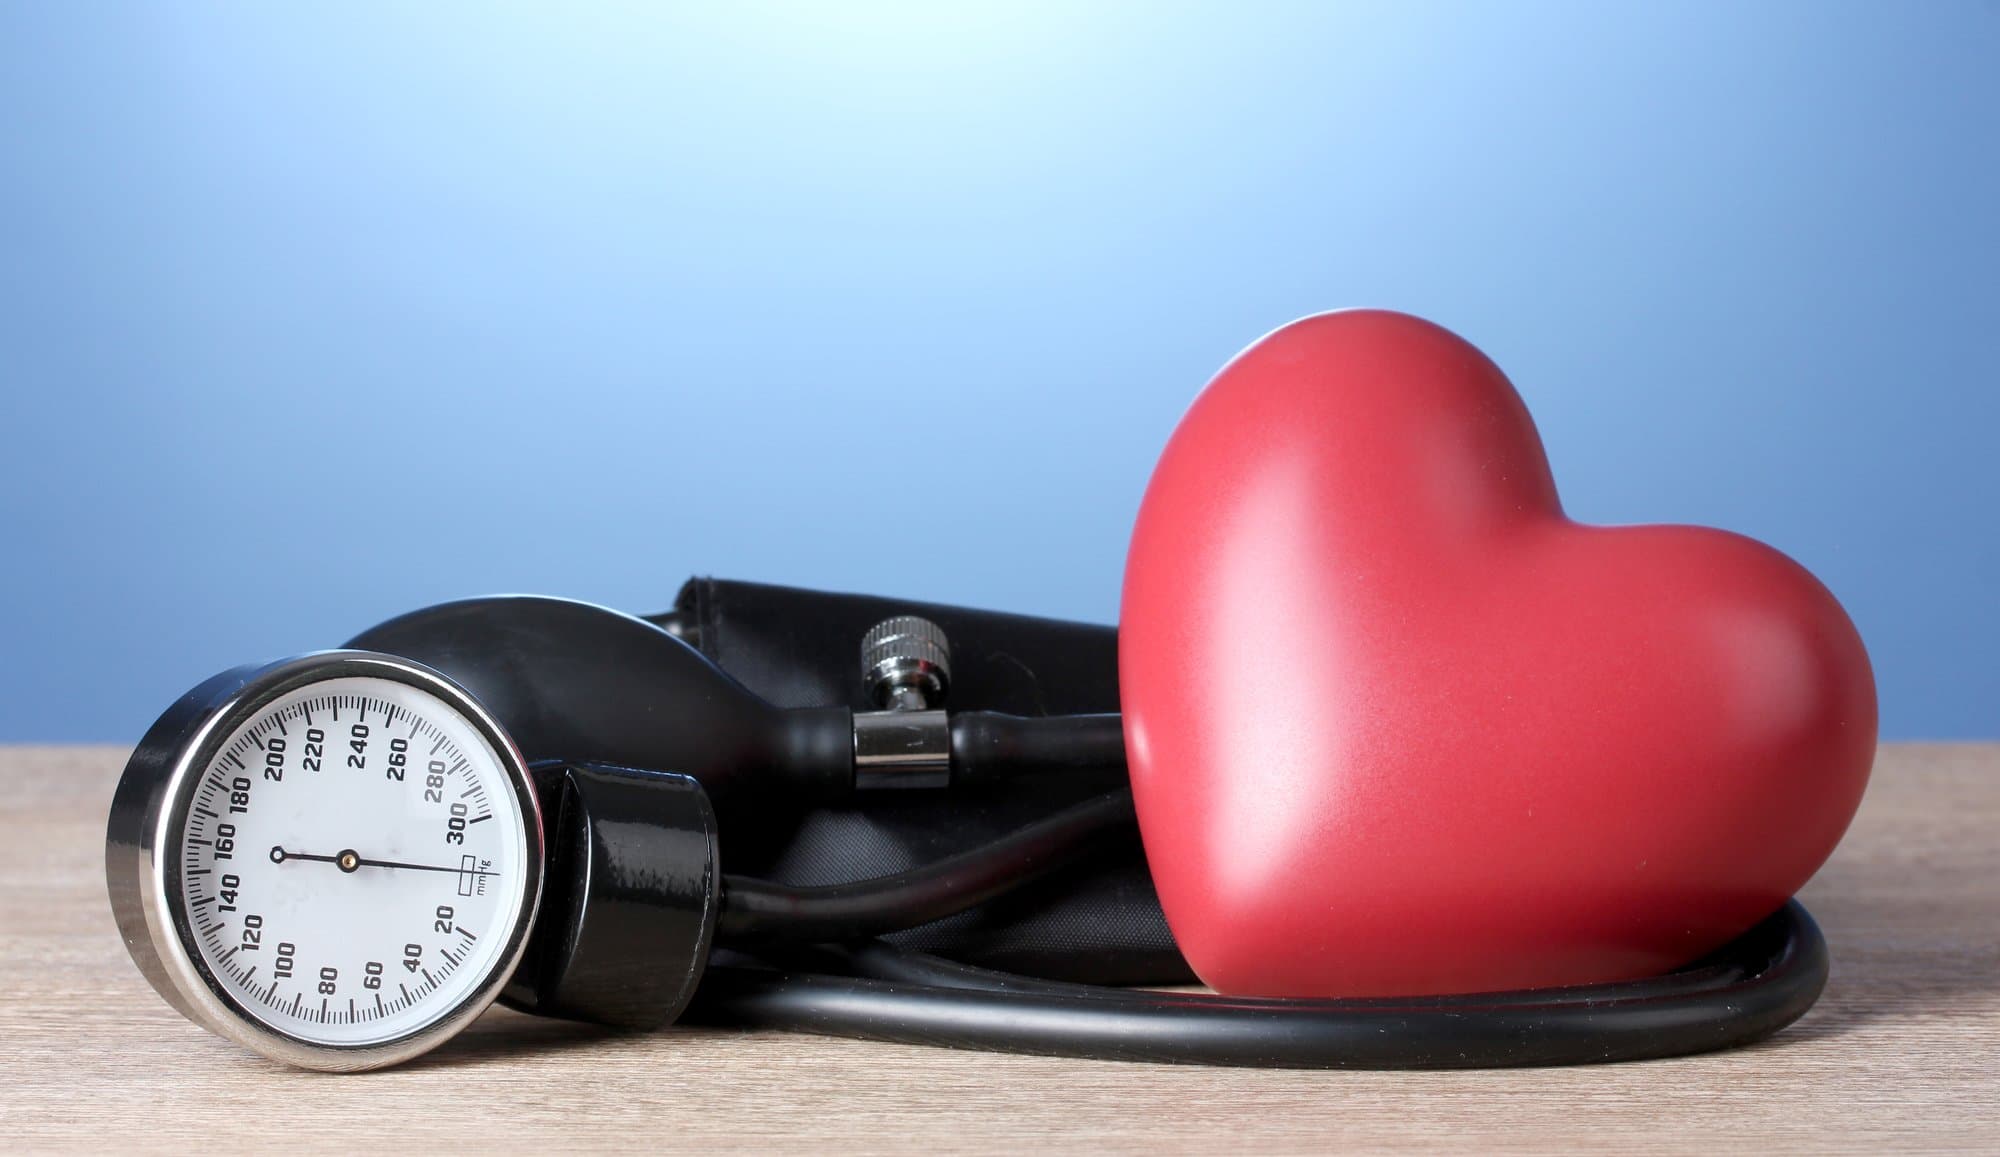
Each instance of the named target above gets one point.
<point>1904,1051</point>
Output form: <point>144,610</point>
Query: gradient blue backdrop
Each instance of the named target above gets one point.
<point>311,315</point>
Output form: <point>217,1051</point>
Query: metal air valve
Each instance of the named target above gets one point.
<point>906,666</point>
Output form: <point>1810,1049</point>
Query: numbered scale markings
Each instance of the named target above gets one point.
<point>345,857</point>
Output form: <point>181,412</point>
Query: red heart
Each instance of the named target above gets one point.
<point>1398,726</point>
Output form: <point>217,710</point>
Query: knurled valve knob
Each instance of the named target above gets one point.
<point>906,663</point>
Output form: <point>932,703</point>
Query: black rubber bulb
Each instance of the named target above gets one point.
<point>575,681</point>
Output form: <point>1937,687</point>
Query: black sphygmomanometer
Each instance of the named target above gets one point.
<point>766,807</point>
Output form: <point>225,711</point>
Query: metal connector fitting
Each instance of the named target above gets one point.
<point>894,749</point>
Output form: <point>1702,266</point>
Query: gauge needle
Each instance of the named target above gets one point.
<point>351,860</point>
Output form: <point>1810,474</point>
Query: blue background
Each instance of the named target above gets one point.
<point>311,315</point>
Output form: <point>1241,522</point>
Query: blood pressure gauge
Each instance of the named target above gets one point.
<point>333,860</point>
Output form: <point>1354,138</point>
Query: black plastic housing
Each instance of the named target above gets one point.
<point>630,896</point>
<point>576,681</point>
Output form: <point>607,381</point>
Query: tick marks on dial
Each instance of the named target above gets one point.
<point>282,801</point>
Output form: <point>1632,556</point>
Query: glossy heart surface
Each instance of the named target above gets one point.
<point>1397,726</point>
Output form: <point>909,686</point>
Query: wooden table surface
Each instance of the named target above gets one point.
<point>1904,1050</point>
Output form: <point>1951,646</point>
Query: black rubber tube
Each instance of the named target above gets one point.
<point>757,910</point>
<point>991,747</point>
<point>1759,984</point>
<point>879,960</point>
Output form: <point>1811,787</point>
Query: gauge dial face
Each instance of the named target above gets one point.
<point>352,862</point>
